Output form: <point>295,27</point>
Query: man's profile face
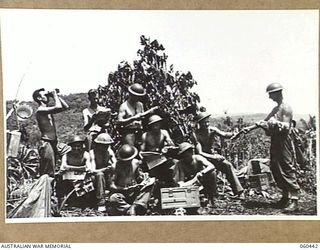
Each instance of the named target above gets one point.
<point>205,123</point>
<point>43,96</point>
<point>275,96</point>
<point>93,97</point>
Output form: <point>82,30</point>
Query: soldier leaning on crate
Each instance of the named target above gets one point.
<point>131,188</point>
<point>206,139</point>
<point>195,167</point>
<point>95,117</point>
<point>278,125</point>
<point>45,119</point>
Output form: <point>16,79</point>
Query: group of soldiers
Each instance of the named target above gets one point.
<point>130,178</point>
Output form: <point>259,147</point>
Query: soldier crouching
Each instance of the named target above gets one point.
<point>131,188</point>
<point>195,167</point>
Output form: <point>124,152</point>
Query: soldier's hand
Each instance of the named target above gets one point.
<point>262,124</point>
<point>199,175</point>
<point>138,116</point>
<point>94,117</point>
<point>218,157</point>
<point>245,130</point>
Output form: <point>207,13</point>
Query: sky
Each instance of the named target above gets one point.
<point>233,55</point>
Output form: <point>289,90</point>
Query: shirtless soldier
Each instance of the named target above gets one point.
<point>278,125</point>
<point>45,119</point>
<point>92,124</point>
<point>192,166</point>
<point>156,138</point>
<point>206,141</point>
<point>130,114</point>
<point>130,188</point>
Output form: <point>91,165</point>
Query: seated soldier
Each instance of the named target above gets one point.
<point>157,140</point>
<point>195,167</point>
<point>74,166</point>
<point>103,162</point>
<point>207,141</point>
<point>131,187</point>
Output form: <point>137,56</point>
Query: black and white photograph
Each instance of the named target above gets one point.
<point>160,115</point>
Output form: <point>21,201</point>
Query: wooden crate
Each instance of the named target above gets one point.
<point>260,181</point>
<point>176,197</point>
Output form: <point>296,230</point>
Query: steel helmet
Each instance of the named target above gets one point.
<point>184,147</point>
<point>137,89</point>
<point>103,138</point>
<point>154,119</point>
<point>76,138</point>
<point>127,152</point>
<point>202,116</point>
<point>273,87</point>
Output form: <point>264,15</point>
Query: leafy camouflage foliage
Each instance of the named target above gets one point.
<point>166,88</point>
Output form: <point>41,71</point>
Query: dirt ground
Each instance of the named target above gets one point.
<point>255,203</point>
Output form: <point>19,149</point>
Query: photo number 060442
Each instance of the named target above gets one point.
<point>213,116</point>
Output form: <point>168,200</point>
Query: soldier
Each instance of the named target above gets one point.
<point>130,114</point>
<point>45,119</point>
<point>95,117</point>
<point>156,138</point>
<point>278,125</point>
<point>130,190</point>
<point>74,165</point>
<point>207,144</point>
<point>103,163</point>
<point>196,167</point>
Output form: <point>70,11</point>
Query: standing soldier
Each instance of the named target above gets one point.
<point>278,125</point>
<point>45,119</point>
<point>94,117</point>
<point>130,114</point>
<point>207,144</point>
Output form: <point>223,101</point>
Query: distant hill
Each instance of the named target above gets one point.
<point>260,116</point>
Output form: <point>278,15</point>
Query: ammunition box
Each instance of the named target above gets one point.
<point>176,197</point>
<point>260,181</point>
